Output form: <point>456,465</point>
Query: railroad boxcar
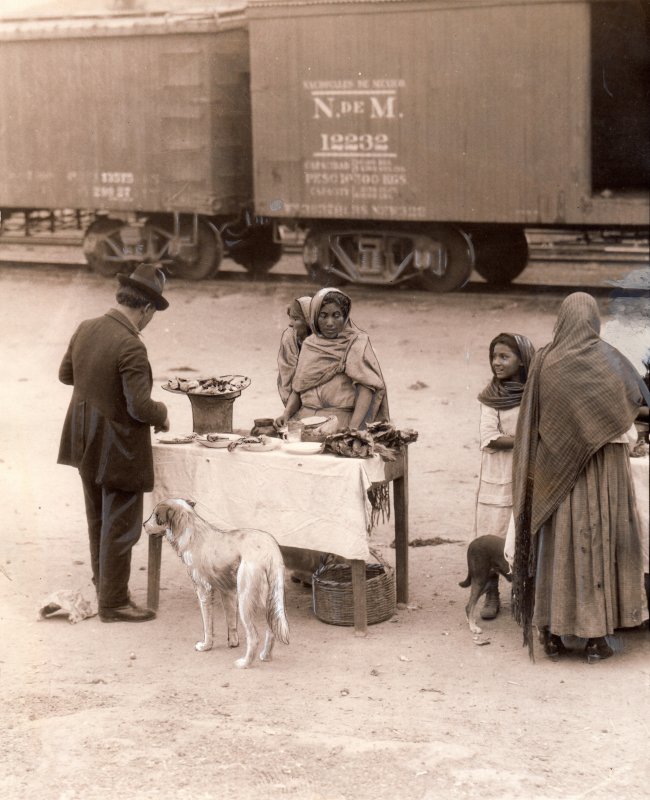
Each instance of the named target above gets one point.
<point>418,138</point>
<point>144,120</point>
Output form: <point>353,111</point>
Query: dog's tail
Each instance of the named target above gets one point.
<point>466,582</point>
<point>276,615</point>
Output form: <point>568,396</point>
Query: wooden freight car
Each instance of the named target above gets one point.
<point>419,137</point>
<point>144,120</point>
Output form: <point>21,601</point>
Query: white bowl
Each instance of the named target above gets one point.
<point>223,441</point>
<point>303,448</point>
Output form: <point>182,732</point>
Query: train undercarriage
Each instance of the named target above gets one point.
<point>437,257</point>
<point>189,246</point>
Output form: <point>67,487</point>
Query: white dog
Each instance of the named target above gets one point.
<point>244,565</point>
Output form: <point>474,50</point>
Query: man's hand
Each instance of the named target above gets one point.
<point>162,428</point>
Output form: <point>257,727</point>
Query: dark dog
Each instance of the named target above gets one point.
<point>303,563</point>
<point>485,559</point>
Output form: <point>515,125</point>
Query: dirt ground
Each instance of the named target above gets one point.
<point>418,710</point>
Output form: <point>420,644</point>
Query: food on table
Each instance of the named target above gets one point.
<point>256,443</point>
<point>245,440</point>
<point>351,444</point>
<point>380,438</point>
<point>224,384</point>
<point>186,439</point>
<point>390,436</point>
<point>217,440</point>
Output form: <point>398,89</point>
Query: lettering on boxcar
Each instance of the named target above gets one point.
<point>377,104</point>
<point>360,166</point>
<point>113,185</point>
<point>381,108</point>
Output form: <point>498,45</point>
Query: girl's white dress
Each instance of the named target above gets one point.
<point>494,498</point>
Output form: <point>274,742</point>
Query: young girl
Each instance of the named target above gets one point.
<point>510,357</point>
<point>291,342</point>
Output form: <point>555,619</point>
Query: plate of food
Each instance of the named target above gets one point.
<point>217,440</point>
<point>190,437</point>
<point>257,444</point>
<point>303,448</point>
<point>223,386</point>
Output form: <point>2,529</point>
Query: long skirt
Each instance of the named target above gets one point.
<point>589,577</point>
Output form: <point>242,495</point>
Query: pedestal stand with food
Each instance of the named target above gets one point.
<point>212,400</point>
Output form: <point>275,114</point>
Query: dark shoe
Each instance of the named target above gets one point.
<point>598,649</point>
<point>492,603</point>
<point>553,645</point>
<point>127,613</point>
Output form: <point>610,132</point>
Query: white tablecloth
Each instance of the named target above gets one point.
<point>318,502</point>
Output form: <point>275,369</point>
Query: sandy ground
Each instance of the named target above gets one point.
<point>418,709</point>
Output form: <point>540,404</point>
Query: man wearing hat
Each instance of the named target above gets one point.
<point>107,435</point>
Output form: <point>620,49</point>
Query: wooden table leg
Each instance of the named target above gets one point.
<point>153,571</point>
<point>401,504</point>
<point>358,568</point>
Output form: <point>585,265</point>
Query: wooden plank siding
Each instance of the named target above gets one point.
<point>141,122</point>
<point>491,123</point>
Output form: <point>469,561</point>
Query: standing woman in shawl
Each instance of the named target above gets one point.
<point>291,342</point>
<point>578,568</point>
<point>510,357</point>
<point>338,373</point>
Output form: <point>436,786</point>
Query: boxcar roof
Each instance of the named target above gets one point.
<point>216,19</point>
<point>252,5</point>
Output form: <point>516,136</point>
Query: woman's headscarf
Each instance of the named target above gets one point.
<point>304,303</point>
<point>290,350</point>
<point>316,304</point>
<point>580,394</point>
<point>507,394</point>
<point>350,352</point>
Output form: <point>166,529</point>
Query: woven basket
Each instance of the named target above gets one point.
<point>332,594</point>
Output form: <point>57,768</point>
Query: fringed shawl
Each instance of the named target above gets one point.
<point>580,394</point>
<point>507,394</point>
<point>350,352</point>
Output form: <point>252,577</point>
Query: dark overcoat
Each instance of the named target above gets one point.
<point>107,430</point>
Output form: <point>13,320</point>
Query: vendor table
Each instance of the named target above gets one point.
<point>315,502</point>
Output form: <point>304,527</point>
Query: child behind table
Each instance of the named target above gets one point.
<point>291,342</point>
<point>510,357</point>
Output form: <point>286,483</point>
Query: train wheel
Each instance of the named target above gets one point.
<point>198,261</point>
<point>454,259</point>
<point>102,246</point>
<point>319,260</point>
<point>501,254</point>
<point>256,251</point>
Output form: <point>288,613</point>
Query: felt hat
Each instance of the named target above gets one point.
<point>149,280</point>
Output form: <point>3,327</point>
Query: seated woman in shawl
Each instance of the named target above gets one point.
<point>577,569</point>
<point>337,373</point>
<point>291,342</point>
<point>510,356</point>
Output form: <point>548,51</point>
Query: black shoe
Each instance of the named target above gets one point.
<point>598,649</point>
<point>492,604</point>
<point>127,613</point>
<point>553,645</point>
